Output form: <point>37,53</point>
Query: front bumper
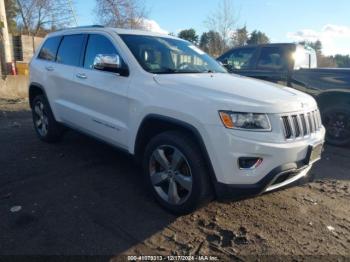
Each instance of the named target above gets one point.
<point>285,175</point>
<point>284,163</point>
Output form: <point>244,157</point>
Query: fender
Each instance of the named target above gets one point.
<point>326,98</point>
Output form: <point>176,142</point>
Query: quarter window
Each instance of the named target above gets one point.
<point>70,49</point>
<point>98,45</point>
<point>49,50</point>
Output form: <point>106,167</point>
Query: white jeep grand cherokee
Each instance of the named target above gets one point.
<point>198,131</point>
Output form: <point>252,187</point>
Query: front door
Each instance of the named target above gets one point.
<point>102,96</point>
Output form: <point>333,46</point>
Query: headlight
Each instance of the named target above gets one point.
<point>245,121</point>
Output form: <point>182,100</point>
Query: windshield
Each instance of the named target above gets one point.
<point>161,55</point>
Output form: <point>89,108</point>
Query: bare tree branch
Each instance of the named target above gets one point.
<point>223,20</point>
<point>36,15</point>
<point>121,13</point>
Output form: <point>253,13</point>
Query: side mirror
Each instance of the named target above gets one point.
<point>224,62</point>
<point>110,63</point>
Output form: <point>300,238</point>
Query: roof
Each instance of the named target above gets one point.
<point>273,44</point>
<point>116,30</point>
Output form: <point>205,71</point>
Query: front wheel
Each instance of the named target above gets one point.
<point>337,122</point>
<point>176,172</point>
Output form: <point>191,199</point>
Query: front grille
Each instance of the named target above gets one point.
<point>301,125</point>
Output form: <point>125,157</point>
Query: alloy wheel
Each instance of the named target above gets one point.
<point>170,174</point>
<point>338,125</point>
<point>40,119</point>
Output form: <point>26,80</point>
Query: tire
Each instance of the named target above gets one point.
<point>336,119</point>
<point>45,125</point>
<point>188,173</point>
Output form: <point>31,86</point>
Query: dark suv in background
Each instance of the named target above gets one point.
<point>295,66</point>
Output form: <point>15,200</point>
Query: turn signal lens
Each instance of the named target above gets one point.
<point>226,119</point>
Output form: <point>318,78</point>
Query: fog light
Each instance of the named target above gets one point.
<point>249,162</point>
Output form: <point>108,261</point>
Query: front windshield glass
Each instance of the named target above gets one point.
<point>161,55</point>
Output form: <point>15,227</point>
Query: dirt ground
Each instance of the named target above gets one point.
<point>81,197</point>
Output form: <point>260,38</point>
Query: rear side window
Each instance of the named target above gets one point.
<point>271,58</point>
<point>70,50</point>
<point>98,45</point>
<point>49,50</point>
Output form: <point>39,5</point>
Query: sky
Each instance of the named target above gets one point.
<point>281,20</point>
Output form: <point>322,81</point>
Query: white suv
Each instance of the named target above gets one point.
<point>198,131</point>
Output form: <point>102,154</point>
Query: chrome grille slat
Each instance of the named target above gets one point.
<point>301,125</point>
<point>303,122</point>
<point>318,126</point>
<point>301,128</point>
<point>311,123</point>
<point>290,119</point>
<point>296,126</point>
<point>315,119</point>
<point>287,127</point>
<point>319,118</point>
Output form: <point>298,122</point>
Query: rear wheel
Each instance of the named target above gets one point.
<point>176,172</point>
<point>337,122</point>
<point>44,122</point>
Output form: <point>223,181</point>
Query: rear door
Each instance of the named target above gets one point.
<point>100,98</point>
<point>43,67</point>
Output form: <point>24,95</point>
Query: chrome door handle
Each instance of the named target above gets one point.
<point>81,76</point>
<point>49,68</point>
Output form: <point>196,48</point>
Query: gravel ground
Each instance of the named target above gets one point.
<point>81,197</point>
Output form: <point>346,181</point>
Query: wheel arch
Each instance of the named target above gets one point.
<point>153,125</point>
<point>331,98</point>
<point>34,90</point>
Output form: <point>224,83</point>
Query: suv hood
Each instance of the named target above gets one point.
<point>240,93</point>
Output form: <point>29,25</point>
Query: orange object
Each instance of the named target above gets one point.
<point>22,68</point>
<point>226,120</point>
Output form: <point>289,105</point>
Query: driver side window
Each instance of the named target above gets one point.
<point>240,59</point>
<point>98,45</point>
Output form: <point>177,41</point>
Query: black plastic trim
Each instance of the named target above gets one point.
<point>36,85</point>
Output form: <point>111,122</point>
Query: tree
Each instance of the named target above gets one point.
<point>39,16</point>
<point>342,61</point>
<point>317,45</point>
<point>322,60</point>
<point>326,61</point>
<point>189,35</point>
<point>121,13</point>
<point>240,37</point>
<point>212,43</point>
<point>11,14</point>
<point>223,21</point>
<point>258,37</point>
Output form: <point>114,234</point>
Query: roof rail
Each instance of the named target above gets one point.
<point>87,26</point>
<point>81,27</point>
